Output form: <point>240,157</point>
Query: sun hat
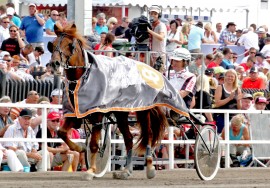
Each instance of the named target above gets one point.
<point>155,8</point>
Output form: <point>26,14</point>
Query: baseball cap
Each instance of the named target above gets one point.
<point>247,96</point>
<point>32,4</point>
<point>4,53</point>
<point>261,30</point>
<point>261,100</point>
<point>26,113</point>
<point>222,75</point>
<point>155,8</point>
<point>57,92</point>
<point>10,11</point>
<point>209,71</point>
<point>253,69</point>
<point>219,69</point>
<point>53,115</point>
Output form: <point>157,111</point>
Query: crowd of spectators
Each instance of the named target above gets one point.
<point>223,81</point>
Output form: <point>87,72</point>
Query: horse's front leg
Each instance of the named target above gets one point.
<point>122,123</point>
<point>62,133</point>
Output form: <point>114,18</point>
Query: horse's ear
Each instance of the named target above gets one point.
<point>56,29</point>
<point>73,26</point>
<point>50,46</point>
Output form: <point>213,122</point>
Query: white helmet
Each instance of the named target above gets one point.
<point>181,54</point>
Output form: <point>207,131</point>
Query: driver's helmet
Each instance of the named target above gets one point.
<point>181,54</point>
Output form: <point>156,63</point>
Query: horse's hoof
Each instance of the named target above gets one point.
<point>150,172</point>
<point>88,176</point>
<point>124,175</point>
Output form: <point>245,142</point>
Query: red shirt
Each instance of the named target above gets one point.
<point>212,65</point>
<point>245,66</point>
<point>257,84</point>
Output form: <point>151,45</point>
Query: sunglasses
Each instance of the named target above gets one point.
<point>6,22</point>
<point>234,57</point>
<point>55,14</point>
<point>13,31</point>
<point>252,52</point>
<point>56,120</point>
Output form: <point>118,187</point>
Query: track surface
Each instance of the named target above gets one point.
<point>241,177</point>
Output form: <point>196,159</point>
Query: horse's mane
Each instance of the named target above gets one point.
<point>72,32</point>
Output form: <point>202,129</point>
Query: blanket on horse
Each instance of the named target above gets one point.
<point>120,84</point>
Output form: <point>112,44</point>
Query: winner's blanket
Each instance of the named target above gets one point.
<point>120,84</point>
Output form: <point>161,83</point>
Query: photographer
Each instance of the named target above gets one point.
<point>157,35</point>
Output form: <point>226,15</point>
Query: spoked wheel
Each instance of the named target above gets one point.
<point>207,153</point>
<point>104,151</point>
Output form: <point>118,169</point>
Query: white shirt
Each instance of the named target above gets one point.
<point>250,39</point>
<point>16,131</point>
<point>266,50</point>
<point>4,34</point>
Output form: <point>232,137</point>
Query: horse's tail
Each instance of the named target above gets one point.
<point>158,123</point>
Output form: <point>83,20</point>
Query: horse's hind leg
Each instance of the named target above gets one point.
<point>145,123</point>
<point>122,123</point>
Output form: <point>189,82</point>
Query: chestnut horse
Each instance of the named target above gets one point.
<point>68,51</point>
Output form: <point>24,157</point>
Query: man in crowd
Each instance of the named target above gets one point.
<point>32,25</point>
<point>4,29</point>
<point>120,30</point>
<point>227,37</point>
<point>101,24</point>
<point>49,25</point>
<point>218,29</point>
<point>196,38</point>
<point>253,80</point>
<point>14,19</point>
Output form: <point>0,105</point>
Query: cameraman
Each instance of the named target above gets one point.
<point>157,36</point>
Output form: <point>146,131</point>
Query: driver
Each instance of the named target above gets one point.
<point>182,80</point>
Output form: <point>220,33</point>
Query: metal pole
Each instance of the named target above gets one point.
<point>44,137</point>
<point>171,148</point>
<point>226,126</point>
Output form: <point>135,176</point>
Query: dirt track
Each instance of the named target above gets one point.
<point>243,177</point>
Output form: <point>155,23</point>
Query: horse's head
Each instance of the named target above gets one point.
<point>67,48</point>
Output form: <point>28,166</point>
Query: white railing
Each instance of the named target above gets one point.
<point>170,141</point>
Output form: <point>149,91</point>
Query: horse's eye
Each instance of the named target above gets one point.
<point>50,46</point>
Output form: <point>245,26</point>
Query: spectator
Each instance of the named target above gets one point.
<point>49,25</point>
<point>28,49</point>
<point>262,35</point>
<point>234,59</point>
<point>63,19</point>
<point>251,61</point>
<point>49,73</point>
<point>227,96</point>
<point>4,29</point>
<point>209,34</point>
<point>239,33</point>
<point>111,23</point>
<point>218,29</point>
<point>226,61</point>
<point>253,80</point>
<point>173,38</point>
<point>32,98</point>
<point>35,56</point>
<point>157,36</point>
<point>252,53</point>
<point>260,103</point>
<point>108,44</point>
<point>22,129</point>
<point>250,39</point>
<point>101,43</point>
<point>227,36</point>
<point>13,19</point>
<point>247,101</point>
<point>3,10</point>
<point>57,151</point>
<point>218,57</point>
<point>5,119</point>
<point>9,156</point>
<point>56,96</point>
<point>14,43</point>
<point>94,24</point>
<point>32,25</point>
<point>196,38</point>
<point>241,75</point>
<point>208,58</point>
<point>196,67</point>
<point>261,63</point>
<point>266,49</point>
<point>120,30</point>
<point>238,131</point>
<point>13,6</point>
<point>101,27</point>
<point>184,35</point>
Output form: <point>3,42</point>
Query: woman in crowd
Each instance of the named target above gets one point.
<point>111,24</point>
<point>173,38</point>
<point>5,119</point>
<point>209,34</point>
<point>101,43</point>
<point>184,35</point>
<point>108,45</point>
<point>227,96</point>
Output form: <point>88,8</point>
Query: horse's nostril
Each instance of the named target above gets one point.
<point>57,64</point>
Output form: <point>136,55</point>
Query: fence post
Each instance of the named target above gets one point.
<point>3,82</point>
<point>44,137</point>
<point>227,138</point>
<point>171,148</point>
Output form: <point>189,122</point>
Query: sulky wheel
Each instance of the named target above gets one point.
<point>207,153</point>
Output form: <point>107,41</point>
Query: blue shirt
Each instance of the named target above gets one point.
<point>239,136</point>
<point>226,64</point>
<point>195,38</point>
<point>50,24</point>
<point>17,21</point>
<point>33,30</point>
<point>100,29</point>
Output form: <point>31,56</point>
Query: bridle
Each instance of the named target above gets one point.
<point>73,49</point>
